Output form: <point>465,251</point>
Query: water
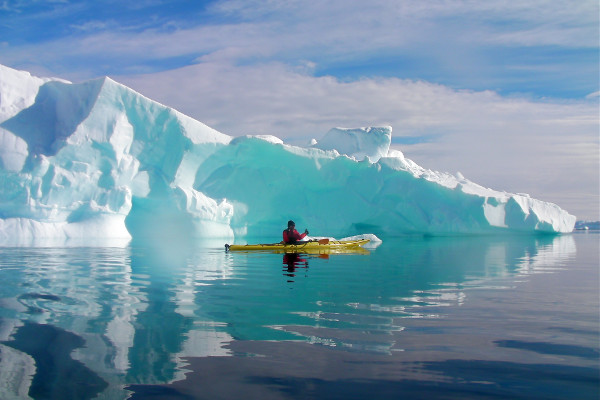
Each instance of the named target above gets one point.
<point>449,318</point>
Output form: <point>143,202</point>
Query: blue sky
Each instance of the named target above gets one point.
<point>556,56</point>
<point>505,92</point>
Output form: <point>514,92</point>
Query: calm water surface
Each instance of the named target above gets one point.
<point>448,318</point>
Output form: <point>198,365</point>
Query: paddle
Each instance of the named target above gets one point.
<point>321,241</point>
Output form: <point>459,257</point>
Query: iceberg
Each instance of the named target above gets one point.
<point>97,159</point>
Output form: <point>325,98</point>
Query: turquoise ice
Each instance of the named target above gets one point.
<point>97,159</point>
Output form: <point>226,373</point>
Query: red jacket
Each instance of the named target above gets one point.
<point>293,236</point>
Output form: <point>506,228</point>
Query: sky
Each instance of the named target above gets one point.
<point>504,92</point>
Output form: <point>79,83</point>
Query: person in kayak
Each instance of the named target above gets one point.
<point>291,235</point>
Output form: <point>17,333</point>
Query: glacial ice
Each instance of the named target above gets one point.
<point>372,142</point>
<point>96,159</point>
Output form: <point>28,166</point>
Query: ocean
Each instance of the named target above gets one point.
<point>515,316</point>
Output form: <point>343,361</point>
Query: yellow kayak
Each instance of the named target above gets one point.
<point>320,246</point>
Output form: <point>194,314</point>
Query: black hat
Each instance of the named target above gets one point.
<point>291,223</point>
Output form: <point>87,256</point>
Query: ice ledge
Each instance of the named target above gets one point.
<point>358,143</point>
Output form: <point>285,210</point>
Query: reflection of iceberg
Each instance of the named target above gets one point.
<point>204,342</point>
<point>16,373</point>
<point>502,258</point>
<point>453,267</point>
<point>549,257</point>
<point>144,311</point>
<point>381,325</point>
<point>97,295</point>
<point>86,291</point>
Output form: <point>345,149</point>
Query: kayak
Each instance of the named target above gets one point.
<point>320,246</point>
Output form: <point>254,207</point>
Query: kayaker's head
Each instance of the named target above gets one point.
<point>291,224</point>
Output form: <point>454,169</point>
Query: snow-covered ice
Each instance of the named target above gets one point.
<point>372,142</point>
<point>97,159</point>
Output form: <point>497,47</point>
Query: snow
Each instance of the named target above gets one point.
<point>372,142</point>
<point>98,160</point>
<point>18,91</point>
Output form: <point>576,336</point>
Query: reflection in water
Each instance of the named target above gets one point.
<point>57,375</point>
<point>293,261</point>
<point>141,311</point>
<point>487,259</point>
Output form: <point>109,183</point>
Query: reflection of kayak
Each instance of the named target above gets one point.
<point>321,246</point>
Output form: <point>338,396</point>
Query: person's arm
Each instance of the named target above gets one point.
<point>294,235</point>
<point>285,236</point>
<point>302,236</point>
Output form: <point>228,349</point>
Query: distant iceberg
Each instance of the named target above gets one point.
<point>587,225</point>
<point>96,159</point>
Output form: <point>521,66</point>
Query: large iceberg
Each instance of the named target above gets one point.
<point>97,159</point>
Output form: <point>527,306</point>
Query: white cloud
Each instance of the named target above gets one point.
<point>91,26</point>
<point>528,22</point>
<point>334,30</point>
<point>594,95</point>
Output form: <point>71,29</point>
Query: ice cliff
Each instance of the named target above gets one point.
<point>97,159</point>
